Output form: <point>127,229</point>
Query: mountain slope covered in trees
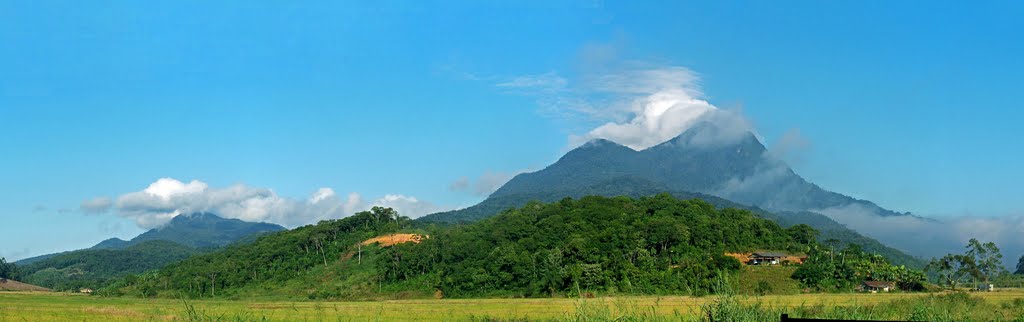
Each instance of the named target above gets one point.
<point>733,170</point>
<point>95,267</point>
<point>636,188</point>
<point>197,230</point>
<point>182,237</point>
<point>287,263</point>
<point>637,246</point>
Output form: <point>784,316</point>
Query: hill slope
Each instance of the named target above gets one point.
<point>94,267</point>
<point>182,237</point>
<point>287,260</point>
<point>12,285</point>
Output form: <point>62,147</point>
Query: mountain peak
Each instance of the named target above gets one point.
<point>710,135</point>
<point>111,243</point>
<point>599,142</point>
<point>204,229</point>
<point>196,216</point>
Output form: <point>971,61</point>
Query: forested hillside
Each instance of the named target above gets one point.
<point>637,246</point>
<point>636,188</point>
<point>95,267</point>
<point>650,245</point>
<point>269,261</point>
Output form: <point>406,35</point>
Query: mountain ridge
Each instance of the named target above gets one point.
<point>728,168</point>
<point>196,230</point>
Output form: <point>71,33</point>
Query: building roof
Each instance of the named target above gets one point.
<point>768,254</point>
<point>878,284</point>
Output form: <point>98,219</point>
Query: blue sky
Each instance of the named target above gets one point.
<point>913,105</point>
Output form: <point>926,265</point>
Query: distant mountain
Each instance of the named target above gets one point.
<point>706,162</point>
<point>197,230</point>
<point>94,267</point>
<point>182,237</point>
<point>738,169</point>
<point>200,230</point>
<point>112,243</point>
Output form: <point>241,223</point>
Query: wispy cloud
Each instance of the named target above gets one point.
<point>790,146</point>
<point>933,236</point>
<point>634,104</point>
<point>547,82</point>
<point>167,197</point>
<point>485,184</point>
<point>96,205</point>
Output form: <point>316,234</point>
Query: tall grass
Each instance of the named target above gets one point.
<point>726,306</point>
<point>192,314</point>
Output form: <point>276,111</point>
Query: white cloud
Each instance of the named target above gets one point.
<point>353,203</point>
<point>663,102</point>
<point>96,205</point>
<point>165,188</point>
<point>168,197</point>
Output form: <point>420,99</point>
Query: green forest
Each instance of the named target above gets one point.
<point>611,245</point>
<point>572,247</point>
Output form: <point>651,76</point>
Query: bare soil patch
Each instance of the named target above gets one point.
<point>12,285</point>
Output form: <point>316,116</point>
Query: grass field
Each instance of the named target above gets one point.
<point>24,306</point>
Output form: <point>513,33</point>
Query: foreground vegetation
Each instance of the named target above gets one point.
<point>991,306</point>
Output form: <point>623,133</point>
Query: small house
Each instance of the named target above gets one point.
<point>85,290</point>
<point>878,286</point>
<point>986,287</point>
<point>766,258</point>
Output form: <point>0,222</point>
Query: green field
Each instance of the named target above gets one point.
<point>1005,305</point>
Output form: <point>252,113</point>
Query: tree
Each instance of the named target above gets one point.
<point>1020,265</point>
<point>987,258</point>
<point>832,242</point>
<point>7,270</point>
<point>952,269</point>
<point>803,234</point>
